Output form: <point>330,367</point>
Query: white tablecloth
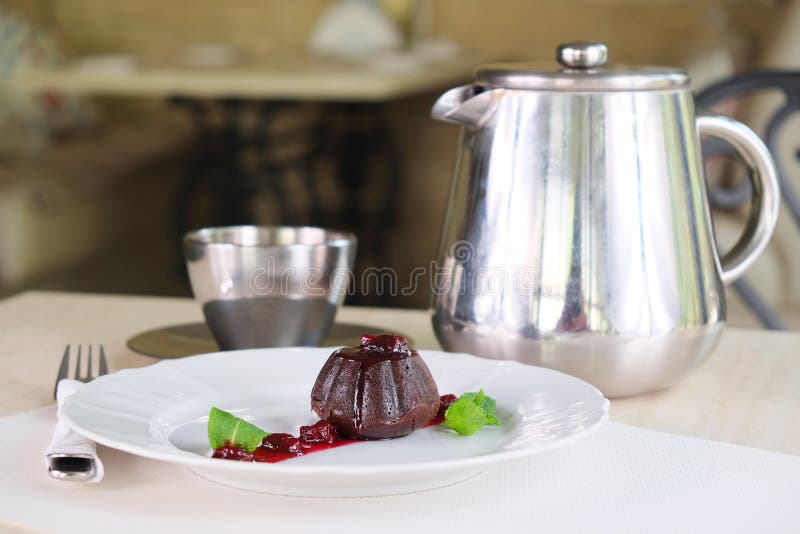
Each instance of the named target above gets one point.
<point>621,479</point>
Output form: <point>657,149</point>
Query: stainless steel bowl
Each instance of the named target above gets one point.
<point>269,286</point>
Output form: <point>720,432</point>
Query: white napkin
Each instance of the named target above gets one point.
<point>619,480</point>
<point>67,441</point>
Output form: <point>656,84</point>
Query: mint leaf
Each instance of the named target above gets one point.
<point>471,412</point>
<point>486,403</point>
<point>227,429</point>
<point>465,417</point>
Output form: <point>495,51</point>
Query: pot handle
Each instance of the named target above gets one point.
<point>766,192</point>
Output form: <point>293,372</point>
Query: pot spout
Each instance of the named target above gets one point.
<point>468,105</point>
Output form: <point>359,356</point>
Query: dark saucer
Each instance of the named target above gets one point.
<point>177,341</point>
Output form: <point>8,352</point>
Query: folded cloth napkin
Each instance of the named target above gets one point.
<point>67,441</point>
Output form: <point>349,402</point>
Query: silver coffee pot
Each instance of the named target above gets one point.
<point>578,234</point>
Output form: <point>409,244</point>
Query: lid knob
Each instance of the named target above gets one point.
<point>582,54</point>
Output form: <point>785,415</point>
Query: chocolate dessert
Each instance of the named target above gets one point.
<point>380,389</point>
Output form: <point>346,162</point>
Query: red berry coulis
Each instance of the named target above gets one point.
<point>319,432</point>
<point>320,436</point>
<point>384,344</point>
<point>229,452</point>
<point>447,400</point>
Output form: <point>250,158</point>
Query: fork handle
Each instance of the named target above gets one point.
<point>71,456</point>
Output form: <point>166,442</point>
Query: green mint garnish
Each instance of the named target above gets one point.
<point>227,429</point>
<point>471,412</point>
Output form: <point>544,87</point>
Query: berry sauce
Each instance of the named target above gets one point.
<point>446,401</point>
<point>383,345</point>
<point>320,436</point>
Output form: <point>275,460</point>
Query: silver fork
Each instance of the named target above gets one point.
<point>75,466</point>
<point>63,368</point>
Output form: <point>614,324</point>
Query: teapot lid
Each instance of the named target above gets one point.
<point>584,69</point>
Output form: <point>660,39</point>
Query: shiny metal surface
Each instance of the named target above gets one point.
<point>582,54</point>
<point>584,69</point>
<point>269,286</point>
<point>74,466</point>
<point>766,192</point>
<point>578,234</point>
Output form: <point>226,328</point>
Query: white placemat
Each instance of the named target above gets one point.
<point>621,479</point>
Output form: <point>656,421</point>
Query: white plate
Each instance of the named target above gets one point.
<point>161,412</point>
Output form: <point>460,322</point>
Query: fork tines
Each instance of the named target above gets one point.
<point>63,368</point>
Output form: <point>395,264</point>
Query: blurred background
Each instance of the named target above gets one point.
<point>123,124</point>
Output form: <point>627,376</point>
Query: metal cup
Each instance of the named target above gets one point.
<point>269,286</point>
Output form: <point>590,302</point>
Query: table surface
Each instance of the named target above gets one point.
<point>748,392</point>
<point>298,82</point>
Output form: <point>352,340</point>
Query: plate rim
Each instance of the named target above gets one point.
<point>187,458</point>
